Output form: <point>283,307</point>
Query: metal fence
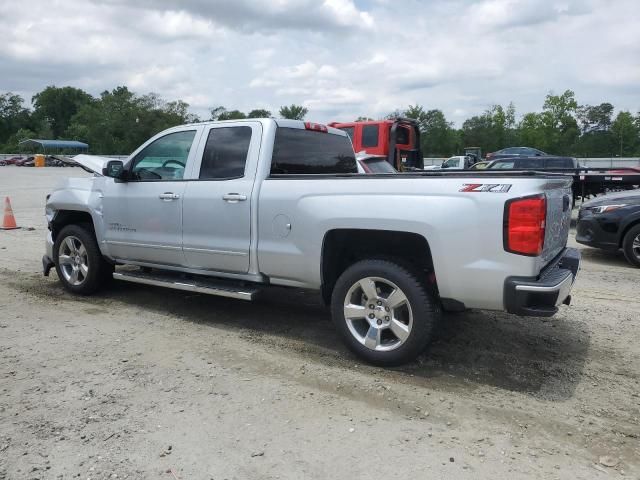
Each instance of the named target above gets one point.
<point>610,162</point>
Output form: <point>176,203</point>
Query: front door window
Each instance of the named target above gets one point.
<point>164,159</point>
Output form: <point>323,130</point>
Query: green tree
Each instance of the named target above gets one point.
<point>293,112</point>
<point>559,124</point>
<point>438,138</point>
<point>477,131</point>
<point>54,107</point>
<point>180,109</point>
<point>12,144</point>
<point>232,115</point>
<point>119,121</point>
<point>511,133</point>
<point>393,115</point>
<point>626,134</point>
<point>596,138</point>
<point>13,115</point>
<point>493,130</point>
<point>531,130</point>
<point>259,113</point>
<point>595,117</point>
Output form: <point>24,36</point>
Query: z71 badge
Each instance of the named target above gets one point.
<point>486,187</point>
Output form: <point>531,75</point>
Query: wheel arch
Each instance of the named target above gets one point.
<point>344,247</point>
<point>633,223</point>
<point>63,218</point>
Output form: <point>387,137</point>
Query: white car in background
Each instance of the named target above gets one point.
<point>458,162</point>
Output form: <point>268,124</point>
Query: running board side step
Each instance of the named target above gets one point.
<point>189,284</point>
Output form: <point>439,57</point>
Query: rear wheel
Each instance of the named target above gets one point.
<point>631,246</point>
<point>79,263</point>
<point>385,314</point>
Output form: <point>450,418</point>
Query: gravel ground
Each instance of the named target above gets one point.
<point>141,382</point>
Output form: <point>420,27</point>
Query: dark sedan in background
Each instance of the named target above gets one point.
<point>515,152</point>
<point>612,222</point>
<point>546,162</point>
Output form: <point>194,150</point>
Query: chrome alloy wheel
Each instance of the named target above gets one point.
<point>635,247</point>
<point>73,261</point>
<point>378,314</point>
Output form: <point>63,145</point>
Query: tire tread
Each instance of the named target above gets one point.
<point>627,245</point>
<point>426,310</point>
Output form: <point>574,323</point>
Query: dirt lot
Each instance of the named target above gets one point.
<point>141,382</point>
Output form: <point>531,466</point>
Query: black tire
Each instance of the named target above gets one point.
<point>424,307</point>
<point>99,270</point>
<point>633,256</point>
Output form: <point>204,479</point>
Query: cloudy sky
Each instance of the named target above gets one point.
<point>339,58</point>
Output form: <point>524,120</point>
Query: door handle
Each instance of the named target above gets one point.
<point>234,197</point>
<point>168,196</point>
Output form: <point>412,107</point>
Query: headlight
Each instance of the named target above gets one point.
<point>607,208</point>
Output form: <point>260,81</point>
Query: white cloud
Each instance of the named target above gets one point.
<point>340,58</point>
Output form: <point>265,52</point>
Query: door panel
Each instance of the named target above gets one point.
<point>217,206</point>
<point>139,225</point>
<point>143,215</point>
<point>217,232</point>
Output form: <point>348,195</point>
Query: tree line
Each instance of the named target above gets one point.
<point>118,121</point>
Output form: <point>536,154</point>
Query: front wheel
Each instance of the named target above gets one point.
<point>631,245</point>
<point>385,314</point>
<point>79,263</point>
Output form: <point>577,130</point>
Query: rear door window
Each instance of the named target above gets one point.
<point>297,151</point>
<point>402,136</point>
<point>225,154</point>
<point>370,135</point>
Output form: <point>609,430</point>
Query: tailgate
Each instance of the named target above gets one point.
<point>559,206</point>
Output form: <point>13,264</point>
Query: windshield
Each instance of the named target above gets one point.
<point>451,163</point>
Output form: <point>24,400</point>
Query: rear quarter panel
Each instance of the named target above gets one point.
<point>464,229</point>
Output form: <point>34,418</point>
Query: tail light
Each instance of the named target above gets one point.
<point>524,225</point>
<point>316,127</point>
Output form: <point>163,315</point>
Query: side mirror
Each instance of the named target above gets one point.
<point>114,169</point>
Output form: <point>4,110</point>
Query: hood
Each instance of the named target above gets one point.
<point>629,196</point>
<point>92,163</point>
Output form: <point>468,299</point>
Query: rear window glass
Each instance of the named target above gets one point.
<point>402,136</point>
<point>559,163</point>
<point>300,152</point>
<point>225,153</point>
<point>370,135</point>
<point>349,131</point>
<point>526,163</point>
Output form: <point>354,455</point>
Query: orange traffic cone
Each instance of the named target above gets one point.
<point>9,221</point>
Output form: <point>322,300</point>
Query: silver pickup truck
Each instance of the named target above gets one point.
<point>227,208</point>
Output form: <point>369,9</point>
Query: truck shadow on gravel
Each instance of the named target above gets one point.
<point>541,358</point>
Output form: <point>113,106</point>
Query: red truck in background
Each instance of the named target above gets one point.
<point>398,140</point>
